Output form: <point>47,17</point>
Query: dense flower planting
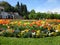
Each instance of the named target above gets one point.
<point>28,29</point>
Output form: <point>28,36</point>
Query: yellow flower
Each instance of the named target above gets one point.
<point>26,30</point>
<point>38,32</point>
<point>22,32</point>
<point>12,23</point>
<point>8,27</point>
<point>3,24</point>
<point>43,22</point>
<point>6,24</point>
<point>28,23</point>
<point>58,27</point>
<point>25,24</point>
<point>15,22</point>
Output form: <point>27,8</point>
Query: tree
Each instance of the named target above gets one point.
<point>22,9</point>
<point>7,6</point>
<point>38,15</point>
<point>17,8</point>
<point>32,14</point>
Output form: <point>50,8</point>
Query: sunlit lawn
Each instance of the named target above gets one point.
<point>30,41</point>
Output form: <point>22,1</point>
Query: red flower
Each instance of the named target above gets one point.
<point>31,25</point>
<point>33,31</point>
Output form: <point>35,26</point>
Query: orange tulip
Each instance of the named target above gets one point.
<point>44,26</point>
<point>7,21</point>
<point>33,23</point>
<point>38,24</point>
<point>0,21</point>
<point>58,20</point>
<point>49,28</point>
<point>19,23</point>
<point>39,21</point>
<point>24,24</point>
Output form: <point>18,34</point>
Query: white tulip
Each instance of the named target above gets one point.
<point>56,30</point>
<point>33,33</point>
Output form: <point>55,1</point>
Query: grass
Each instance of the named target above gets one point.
<point>30,41</point>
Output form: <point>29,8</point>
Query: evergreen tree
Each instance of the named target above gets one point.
<point>18,8</point>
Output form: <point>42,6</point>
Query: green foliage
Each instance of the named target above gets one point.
<point>27,35</point>
<point>30,41</point>
<point>22,9</point>
<point>7,6</point>
<point>7,34</point>
<point>39,15</point>
<point>32,14</point>
<point>24,17</point>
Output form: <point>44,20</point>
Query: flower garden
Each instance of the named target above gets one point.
<point>29,29</point>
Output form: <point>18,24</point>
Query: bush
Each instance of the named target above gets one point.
<point>16,32</point>
<point>27,34</point>
<point>7,33</point>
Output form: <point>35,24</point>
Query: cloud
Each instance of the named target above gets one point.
<point>56,10</point>
<point>50,10</point>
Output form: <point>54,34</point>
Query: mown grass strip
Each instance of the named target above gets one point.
<point>30,41</point>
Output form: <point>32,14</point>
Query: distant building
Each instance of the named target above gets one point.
<point>1,8</point>
<point>9,15</point>
<point>4,15</point>
<point>16,16</point>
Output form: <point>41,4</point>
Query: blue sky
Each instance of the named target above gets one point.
<point>39,5</point>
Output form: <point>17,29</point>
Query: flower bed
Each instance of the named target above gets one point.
<point>28,29</point>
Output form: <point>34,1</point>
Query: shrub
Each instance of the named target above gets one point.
<point>7,33</point>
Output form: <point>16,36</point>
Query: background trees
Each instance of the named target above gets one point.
<point>7,6</point>
<point>22,10</point>
<point>39,15</point>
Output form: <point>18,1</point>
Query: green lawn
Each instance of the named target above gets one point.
<point>30,41</point>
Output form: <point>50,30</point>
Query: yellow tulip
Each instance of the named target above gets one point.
<point>58,27</point>
<point>8,27</point>
<point>22,32</point>
<point>37,32</point>
<point>43,22</point>
<point>15,22</point>
<point>26,30</point>
<point>12,23</point>
<point>3,24</point>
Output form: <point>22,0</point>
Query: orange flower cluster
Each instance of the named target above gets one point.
<point>2,21</point>
<point>53,20</point>
<point>38,23</point>
<point>58,20</point>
